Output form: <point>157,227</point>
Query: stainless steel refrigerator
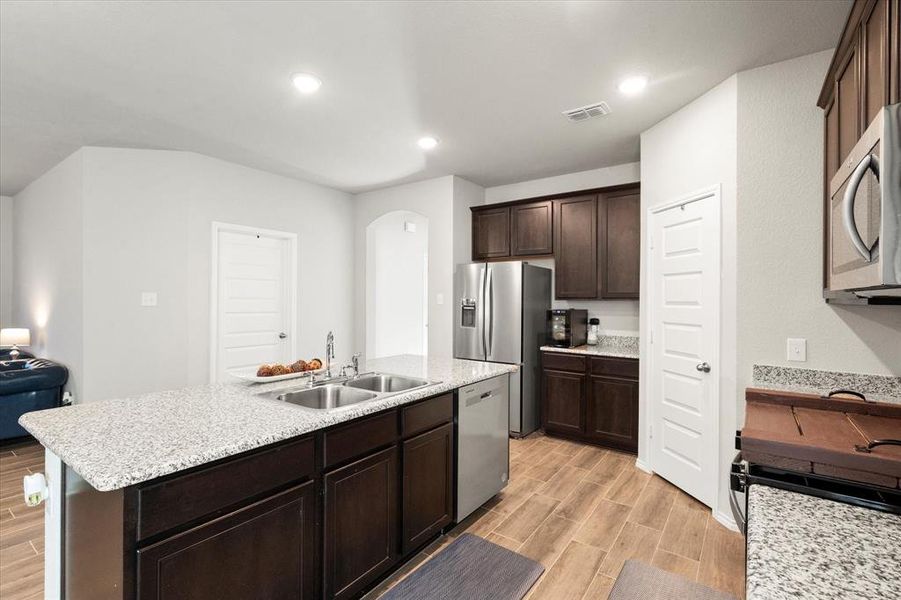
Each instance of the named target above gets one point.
<point>500,316</point>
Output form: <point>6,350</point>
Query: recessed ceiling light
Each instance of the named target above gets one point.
<point>427,142</point>
<point>306,83</point>
<point>633,85</point>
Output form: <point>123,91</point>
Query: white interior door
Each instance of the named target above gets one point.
<point>684,321</point>
<point>254,300</point>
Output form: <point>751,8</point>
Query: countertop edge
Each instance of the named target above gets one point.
<point>105,482</point>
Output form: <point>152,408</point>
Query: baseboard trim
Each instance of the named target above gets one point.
<point>726,520</point>
<point>643,466</point>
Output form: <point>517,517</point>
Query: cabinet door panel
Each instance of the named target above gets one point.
<point>875,59</point>
<point>619,244</point>
<point>490,233</point>
<point>428,466</point>
<point>361,513</point>
<point>613,411</point>
<point>532,230</point>
<point>563,395</point>
<point>848,98</point>
<point>576,247</point>
<point>266,550</point>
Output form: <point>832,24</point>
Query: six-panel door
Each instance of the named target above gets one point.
<point>361,523</point>
<point>428,468</point>
<point>265,550</point>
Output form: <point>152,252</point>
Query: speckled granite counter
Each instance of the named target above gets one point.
<point>801,547</point>
<point>617,346</point>
<point>880,388</point>
<point>116,443</point>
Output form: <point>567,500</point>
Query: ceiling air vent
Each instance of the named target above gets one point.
<point>584,113</point>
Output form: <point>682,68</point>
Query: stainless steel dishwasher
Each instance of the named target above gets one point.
<point>483,446</point>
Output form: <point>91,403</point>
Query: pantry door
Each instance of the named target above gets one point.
<point>684,319</point>
<point>254,299</point>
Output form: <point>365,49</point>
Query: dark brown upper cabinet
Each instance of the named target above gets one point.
<point>619,249</point>
<point>576,247</point>
<point>864,76</point>
<point>532,232</point>
<point>490,233</point>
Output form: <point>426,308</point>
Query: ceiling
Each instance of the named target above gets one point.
<point>488,78</point>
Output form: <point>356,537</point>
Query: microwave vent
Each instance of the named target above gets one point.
<point>583,113</point>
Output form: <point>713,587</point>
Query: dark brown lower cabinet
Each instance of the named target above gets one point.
<point>265,550</point>
<point>361,523</point>
<point>563,393</point>
<point>613,411</point>
<point>593,401</point>
<point>428,468</point>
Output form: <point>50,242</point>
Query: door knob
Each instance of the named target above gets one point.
<point>703,367</point>
<point>282,335</point>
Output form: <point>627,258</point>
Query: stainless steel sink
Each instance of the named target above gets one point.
<point>326,397</point>
<point>384,383</point>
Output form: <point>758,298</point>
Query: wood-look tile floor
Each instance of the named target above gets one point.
<point>579,510</point>
<point>21,527</point>
<point>582,511</point>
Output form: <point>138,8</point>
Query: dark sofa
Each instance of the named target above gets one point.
<point>27,384</point>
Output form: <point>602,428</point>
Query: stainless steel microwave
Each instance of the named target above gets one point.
<point>864,220</point>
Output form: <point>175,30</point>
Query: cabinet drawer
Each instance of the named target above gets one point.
<point>563,362</point>
<point>426,415</point>
<point>620,367</point>
<point>359,437</point>
<point>184,498</point>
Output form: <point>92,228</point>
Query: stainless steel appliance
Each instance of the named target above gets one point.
<point>864,220</point>
<point>483,446</point>
<point>500,317</point>
<point>568,327</point>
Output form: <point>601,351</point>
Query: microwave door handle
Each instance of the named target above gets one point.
<point>872,163</point>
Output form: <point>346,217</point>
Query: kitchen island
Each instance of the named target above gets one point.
<point>284,501</point>
<point>801,546</point>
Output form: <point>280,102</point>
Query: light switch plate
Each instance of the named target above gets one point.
<point>796,349</point>
<point>148,298</point>
<point>439,299</point>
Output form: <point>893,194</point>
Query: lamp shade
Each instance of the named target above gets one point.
<point>15,337</point>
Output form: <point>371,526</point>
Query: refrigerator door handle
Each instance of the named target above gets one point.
<point>489,304</point>
<point>482,299</point>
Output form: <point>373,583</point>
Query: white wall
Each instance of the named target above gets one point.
<point>47,266</point>
<point>780,249</point>
<point>435,200</point>
<point>618,317</point>
<point>396,285</point>
<point>466,195</point>
<point>108,224</point>
<point>561,184</point>
<point>6,261</point>
<point>148,218</point>
<point>693,149</point>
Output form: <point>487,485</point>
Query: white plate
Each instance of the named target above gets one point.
<point>252,377</point>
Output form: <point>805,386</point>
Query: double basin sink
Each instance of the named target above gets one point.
<point>328,396</point>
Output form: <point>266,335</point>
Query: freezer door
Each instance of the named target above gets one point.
<point>503,312</point>
<point>469,321</point>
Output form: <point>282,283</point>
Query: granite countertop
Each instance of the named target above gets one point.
<point>116,443</point>
<point>801,546</point>
<point>617,346</point>
<point>878,388</point>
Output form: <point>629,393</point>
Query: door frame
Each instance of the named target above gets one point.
<point>713,420</point>
<point>218,227</point>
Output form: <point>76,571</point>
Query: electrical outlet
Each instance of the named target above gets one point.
<point>796,349</point>
<point>148,298</point>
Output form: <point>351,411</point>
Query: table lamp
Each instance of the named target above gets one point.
<point>15,337</point>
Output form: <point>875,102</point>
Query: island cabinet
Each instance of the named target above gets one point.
<point>326,515</point>
<point>590,399</point>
